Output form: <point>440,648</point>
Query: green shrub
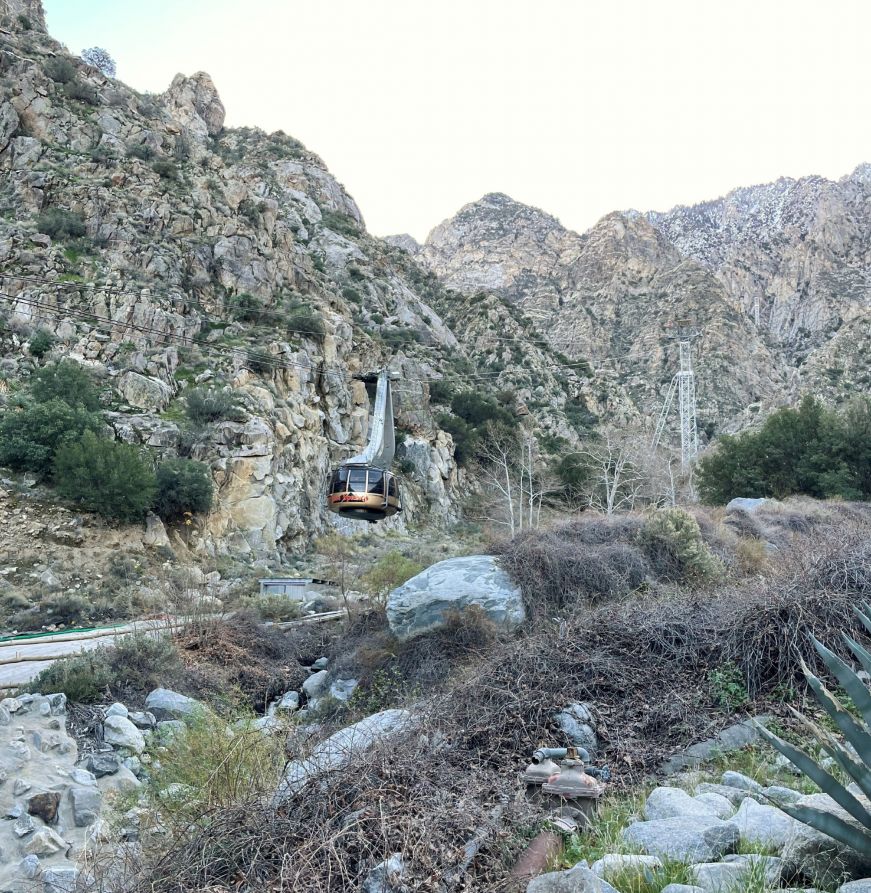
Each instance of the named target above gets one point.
<point>340,223</point>
<point>673,542</point>
<point>83,678</point>
<point>810,450</point>
<point>477,409</point>
<point>304,320</point>
<point>60,224</point>
<point>464,436</point>
<point>246,307</point>
<point>41,343</point>
<point>206,405</point>
<point>391,570</point>
<point>441,392</point>
<point>727,686</point>
<point>60,70</point>
<point>349,293</point>
<point>113,479</point>
<point>82,92</point>
<point>29,435</point>
<point>141,151</point>
<point>182,486</point>
<point>67,381</point>
<point>168,170</point>
<point>219,764</point>
<point>140,663</point>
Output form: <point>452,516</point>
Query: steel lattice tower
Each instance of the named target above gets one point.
<point>684,383</point>
<point>686,387</point>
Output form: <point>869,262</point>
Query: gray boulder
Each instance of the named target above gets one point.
<point>142,719</point>
<point>289,702</point>
<point>717,804</point>
<point>772,866</point>
<point>317,684</point>
<point>142,392</point>
<point>422,603</point>
<point>576,880</point>
<point>100,764</point>
<point>342,689</point>
<point>641,867</point>
<point>86,805</point>
<point>385,877</point>
<point>763,826</point>
<point>781,796</point>
<point>120,732</point>
<point>734,795</point>
<point>682,888</point>
<point>167,704</point>
<point>695,838</point>
<point>816,856</point>
<point>720,877</point>
<point>666,803</point>
<point>335,751</point>
<point>745,504</point>
<point>741,782</point>
<point>59,880</point>
<point>576,722</point>
<point>859,886</point>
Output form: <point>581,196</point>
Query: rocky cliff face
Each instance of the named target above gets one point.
<point>618,293</point>
<point>219,258</point>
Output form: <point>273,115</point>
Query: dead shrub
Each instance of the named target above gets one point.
<point>744,524</point>
<point>751,555</point>
<point>554,572</point>
<point>238,659</point>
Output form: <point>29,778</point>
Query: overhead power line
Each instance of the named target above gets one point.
<point>262,358</point>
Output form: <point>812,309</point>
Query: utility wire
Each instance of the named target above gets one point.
<point>262,358</point>
<point>180,295</point>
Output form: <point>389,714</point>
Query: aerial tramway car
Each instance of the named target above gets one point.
<point>363,488</point>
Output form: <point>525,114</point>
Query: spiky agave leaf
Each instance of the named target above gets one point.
<point>852,684</point>
<point>863,655</point>
<point>833,825</point>
<point>827,783</point>
<point>859,772</point>
<point>855,733</point>
<point>864,614</point>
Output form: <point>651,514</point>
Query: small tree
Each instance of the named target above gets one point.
<point>41,343</point>
<point>113,479</point>
<point>343,553</point>
<point>390,571</point>
<point>516,480</point>
<point>67,381</point>
<point>29,435</point>
<point>615,478</point>
<point>183,486</point>
<point>100,59</point>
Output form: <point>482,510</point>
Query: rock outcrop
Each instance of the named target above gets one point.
<point>614,295</point>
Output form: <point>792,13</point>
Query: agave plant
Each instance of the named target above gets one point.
<point>854,760</point>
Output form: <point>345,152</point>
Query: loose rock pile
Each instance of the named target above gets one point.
<point>49,806</point>
<point>705,828</point>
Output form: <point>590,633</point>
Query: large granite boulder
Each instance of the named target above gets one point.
<point>687,838</point>
<point>423,602</point>
<point>334,752</point>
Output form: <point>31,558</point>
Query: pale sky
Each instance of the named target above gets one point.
<point>577,107</point>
